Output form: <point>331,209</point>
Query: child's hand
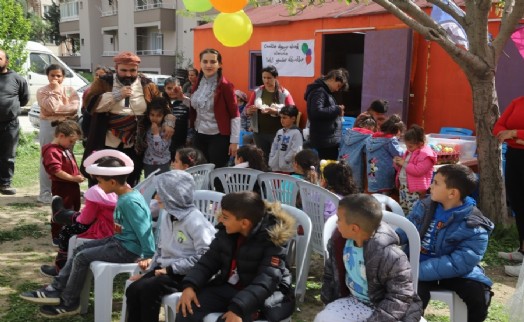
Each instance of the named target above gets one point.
<point>398,161</point>
<point>155,129</point>
<point>231,317</point>
<point>519,141</point>
<point>159,272</point>
<point>168,132</point>
<point>184,304</point>
<point>135,277</point>
<point>144,263</point>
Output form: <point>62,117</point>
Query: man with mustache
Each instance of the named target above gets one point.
<point>117,105</point>
<point>14,93</point>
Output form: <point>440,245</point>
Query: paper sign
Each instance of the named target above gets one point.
<point>291,58</point>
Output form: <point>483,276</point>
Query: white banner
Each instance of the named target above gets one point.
<point>291,58</point>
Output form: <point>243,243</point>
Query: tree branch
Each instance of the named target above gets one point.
<point>447,9</point>
<point>512,14</point>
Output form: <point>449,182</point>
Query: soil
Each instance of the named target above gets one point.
<point>21,259</point>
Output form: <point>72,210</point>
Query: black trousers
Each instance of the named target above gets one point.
<point>264,141</point>
<point>212,299</point>
<point>515,186</point>
<point>214,147</point>
<point>8,143</point>
<point>144,296</point>
<point>329,153</point>
<point>476,295</point>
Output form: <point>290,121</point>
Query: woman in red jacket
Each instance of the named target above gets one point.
<point>214,112</point>
<point>510,129</point>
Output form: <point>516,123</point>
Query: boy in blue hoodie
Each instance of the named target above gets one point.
<point>454,237</point>
<point>133,239</point>
<point>353,146</point>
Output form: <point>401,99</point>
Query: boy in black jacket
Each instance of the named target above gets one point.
<point>248,253</point>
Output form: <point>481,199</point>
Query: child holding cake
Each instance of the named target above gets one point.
<point>414,168</point>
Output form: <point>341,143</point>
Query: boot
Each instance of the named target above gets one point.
<point>57,204</point>
<point>65,217</point>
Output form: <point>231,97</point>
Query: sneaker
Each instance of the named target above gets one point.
<point>44,198</point>
<point>7,190</point>
<point>59,311</point>
<point>57,204</point>
<point>56,242</point>
<point>516,256</point>
<point>46,295</point>
<point>512,270</point>
<point>48,270</point>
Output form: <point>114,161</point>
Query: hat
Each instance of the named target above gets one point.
<point>241,94</point>
<point>126,58</point>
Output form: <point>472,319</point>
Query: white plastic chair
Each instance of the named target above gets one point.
<point>389,202</point>
<point>302,260</point>
<point>74,242</point>
<point>147,186</point>
<point>458,310</point>
<point>314,199</point>
<point>235,179</point>
<point>200,174</point>
<point>278,187</point>
<point>208,202</point>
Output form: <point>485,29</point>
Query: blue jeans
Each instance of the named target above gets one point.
<point>71,278</point>
<point>8,143</point>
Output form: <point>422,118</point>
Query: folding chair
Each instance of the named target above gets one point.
<point>235,179</point>
<point>278,187</point>
<point>200,174</point>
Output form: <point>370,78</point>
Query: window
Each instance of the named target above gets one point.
<point>40,61</point>
<point>255,69</point>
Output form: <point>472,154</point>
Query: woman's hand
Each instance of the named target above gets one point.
<point>506,134</point>
<point>251,109</point>
<point>233,147</point>
<point>55,85</point>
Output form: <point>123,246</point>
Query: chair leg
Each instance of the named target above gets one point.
<point>103,296</point>
<point>460,310</point>
<point>84,295</point>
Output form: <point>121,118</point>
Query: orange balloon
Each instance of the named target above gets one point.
<point>229,6</point>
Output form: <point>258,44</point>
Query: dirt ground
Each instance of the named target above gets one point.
<point>21,259</point>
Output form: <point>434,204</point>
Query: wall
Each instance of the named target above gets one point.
<point>441,95</point>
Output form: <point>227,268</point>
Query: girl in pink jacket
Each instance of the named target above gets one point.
<point>414,168</point>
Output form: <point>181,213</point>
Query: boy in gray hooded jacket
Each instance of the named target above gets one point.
<point>288,141</point>
<point>184,235</point>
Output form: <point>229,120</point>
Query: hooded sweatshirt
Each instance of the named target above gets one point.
<point>323,113</point>
<point>286,144</point>
<point>352,147</point>
<point>184,233</point>
<point>380,151</point>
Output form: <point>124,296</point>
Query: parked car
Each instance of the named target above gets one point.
<point>34,111</point>
<point>157,79</point>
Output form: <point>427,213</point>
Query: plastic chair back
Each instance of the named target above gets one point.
<point>348,123</point>
<point>147,186</point>
<point>235,179</point>
<point>314,204</point>
<point>456,131</point>
<point>200,174</point>
<point>329,227</point>
<point>208,202</point>
<point>278,187</point>
<point>390,203</point>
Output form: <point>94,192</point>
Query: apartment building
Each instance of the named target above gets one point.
<point>96,30</point>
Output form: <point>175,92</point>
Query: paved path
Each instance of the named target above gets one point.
<point>25,124</point>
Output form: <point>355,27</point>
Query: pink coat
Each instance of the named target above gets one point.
<point>98,211</point>
<point>419,170</point>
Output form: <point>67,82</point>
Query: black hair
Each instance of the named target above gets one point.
<point>68,128</point>
<point>393,125</point>
<point>460,177</point>
<point>309,162</point>
<point>289,110</point>
<point>244,205</point>
<point>254,156</point>
<point>158,103</point>
<point>54,67</point>
<point>112,162</point>
<point>219,59</point>
<point>339,75</point>
<point>339,178</point>
<point>192,69</point>
<point>363,210</point>
<point>106,69</point>
<point>379,106</point>
<point>415,135</point>
<point>190,156</point>
<point>274,72</point>
<point>366,121</point>
<point>171,80</point>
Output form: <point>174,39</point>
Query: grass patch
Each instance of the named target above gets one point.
<point>502,239</point>
<point>21,231</point>
<point>21,205</point>
<point>27,160</point>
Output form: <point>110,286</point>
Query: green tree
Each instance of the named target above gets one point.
<point>40,28</point>
<point>14,32</point>
<point>479,64</point>
<point>53,18</point>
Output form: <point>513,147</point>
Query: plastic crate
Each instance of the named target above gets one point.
<point>464,144</point>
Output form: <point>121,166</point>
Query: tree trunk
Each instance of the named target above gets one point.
<point>486,112</point>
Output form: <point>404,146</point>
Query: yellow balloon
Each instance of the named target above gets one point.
<point>229,6</point>
<point>233,29</point>
<point>197,5</point>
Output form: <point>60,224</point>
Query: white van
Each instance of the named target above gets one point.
<point>39,57</point>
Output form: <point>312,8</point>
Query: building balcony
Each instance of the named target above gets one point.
<point>72,61</point>
<point>164,14</point>
<point>72,26</point>
<point>109,22</point>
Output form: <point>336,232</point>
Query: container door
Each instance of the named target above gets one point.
<point>387,67</point>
